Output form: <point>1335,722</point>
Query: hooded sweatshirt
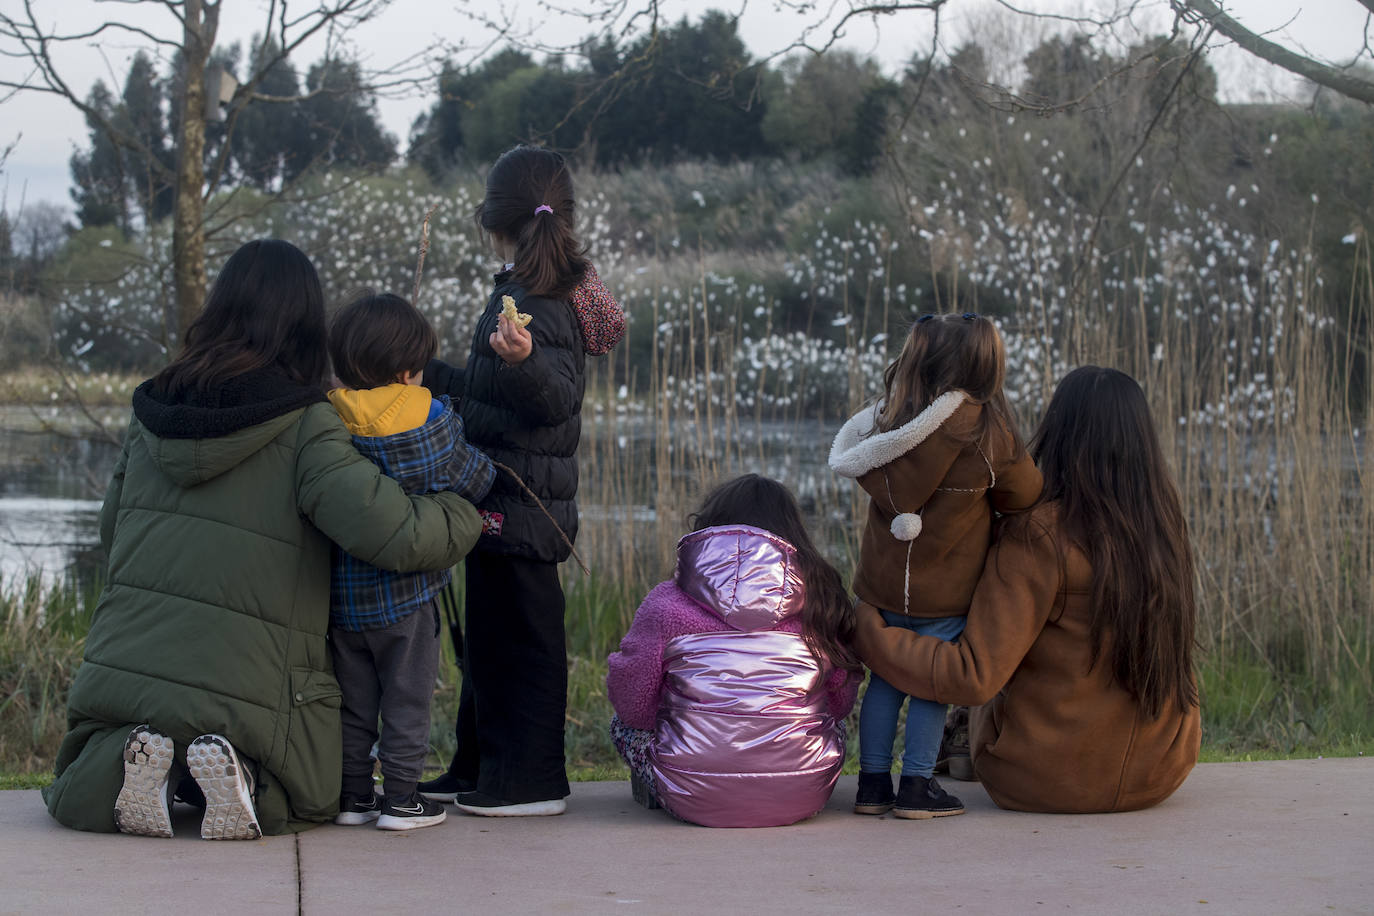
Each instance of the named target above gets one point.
<point>746,722</point>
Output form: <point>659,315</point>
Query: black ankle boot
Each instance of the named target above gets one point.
<point>875,794</point>
<point>919,798</point>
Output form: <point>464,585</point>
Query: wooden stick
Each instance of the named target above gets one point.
<point>540,504</point>
<point>424,247</point>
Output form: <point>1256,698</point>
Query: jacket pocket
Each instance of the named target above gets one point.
<point>314,745</point>
<point>311,686</point>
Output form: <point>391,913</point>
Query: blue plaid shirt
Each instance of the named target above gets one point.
<point>427,459</point>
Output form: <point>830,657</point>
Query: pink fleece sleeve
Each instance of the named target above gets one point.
<point>634,675</point>
<point>841,690</point>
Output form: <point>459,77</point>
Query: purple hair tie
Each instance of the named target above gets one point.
<point>542,208</point>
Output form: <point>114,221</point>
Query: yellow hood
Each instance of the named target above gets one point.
<point>382,411</point>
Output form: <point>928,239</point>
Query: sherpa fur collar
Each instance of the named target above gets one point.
<point>855,452</point>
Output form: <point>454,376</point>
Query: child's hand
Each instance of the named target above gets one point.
<point>511,342</point>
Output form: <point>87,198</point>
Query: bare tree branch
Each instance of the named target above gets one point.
<point>1206,11</point>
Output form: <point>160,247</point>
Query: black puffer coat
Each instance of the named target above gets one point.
<point>527,417</point>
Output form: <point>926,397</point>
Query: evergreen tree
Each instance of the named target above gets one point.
<point>142,116</point>
<point>337,122</point>
<point>441,136</point>
<point>98,174</point>
<point>266,130</point>
<point>689,91</point>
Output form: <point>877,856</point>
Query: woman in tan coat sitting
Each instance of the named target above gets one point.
<point>1079,641</point>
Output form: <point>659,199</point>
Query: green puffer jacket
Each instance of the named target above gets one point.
<point>215,612</point>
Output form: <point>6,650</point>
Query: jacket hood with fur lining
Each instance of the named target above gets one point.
<point>855,451</point>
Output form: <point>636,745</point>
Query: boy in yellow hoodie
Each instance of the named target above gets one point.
<point>384,626</point>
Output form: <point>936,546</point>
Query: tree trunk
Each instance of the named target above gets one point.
<point>188,218</point>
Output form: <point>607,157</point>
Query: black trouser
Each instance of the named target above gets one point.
<point>388,672</point>
<point>515,681</point>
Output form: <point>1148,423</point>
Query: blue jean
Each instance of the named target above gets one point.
<point>925,720</point>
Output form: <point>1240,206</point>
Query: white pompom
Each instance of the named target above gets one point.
<point>906,527</point>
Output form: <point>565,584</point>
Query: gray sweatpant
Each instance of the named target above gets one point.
<point>388,673</point>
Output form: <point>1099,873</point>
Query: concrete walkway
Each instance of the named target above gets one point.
<point>1291,836</point>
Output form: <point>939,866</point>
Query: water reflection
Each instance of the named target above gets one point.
<point>51,484</point>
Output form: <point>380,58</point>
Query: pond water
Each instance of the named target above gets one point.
<point>53,476</point>
<point>51,486</point>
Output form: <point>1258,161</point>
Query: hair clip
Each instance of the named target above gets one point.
<point>969,316</point>
<point>926,317</point>
<point>542,208</point>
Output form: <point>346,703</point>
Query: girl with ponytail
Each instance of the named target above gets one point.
<point>521,400</point>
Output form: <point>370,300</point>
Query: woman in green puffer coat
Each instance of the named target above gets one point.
<point>208,643</point>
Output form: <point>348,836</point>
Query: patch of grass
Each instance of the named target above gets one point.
<point>42,636</point>
<point>1253,711</point>
<point>24,780</point>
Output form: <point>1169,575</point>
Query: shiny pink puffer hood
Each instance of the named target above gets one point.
<point>744,737</point>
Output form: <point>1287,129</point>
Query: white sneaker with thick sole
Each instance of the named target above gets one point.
<point>141,806</point>
<point>228,795</point>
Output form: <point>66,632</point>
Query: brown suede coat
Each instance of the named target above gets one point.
<point>1055,734</point>
<point>946,479</point>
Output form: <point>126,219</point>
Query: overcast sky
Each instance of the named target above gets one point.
<point>48,130</point>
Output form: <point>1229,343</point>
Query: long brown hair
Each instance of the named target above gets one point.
<point>530,202</point>
<point>950,352</point>
<point>265,308</point>
<point>827,612</point>
<point>1102,463</point>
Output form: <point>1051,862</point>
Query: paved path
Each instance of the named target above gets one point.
<point>1292,836</point>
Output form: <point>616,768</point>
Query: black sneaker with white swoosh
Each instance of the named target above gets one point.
<point>410,813</point>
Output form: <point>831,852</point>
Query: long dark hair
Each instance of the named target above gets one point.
<point>827,612</point>
<point>1102,463</point>
<point>265,308</point>
<point>549,259</point>
<point>952,352</point>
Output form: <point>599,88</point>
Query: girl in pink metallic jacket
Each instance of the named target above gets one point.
<point>731,688</point>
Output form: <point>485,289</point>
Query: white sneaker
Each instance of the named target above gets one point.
<point>228,790</point>
<point>141,806</point>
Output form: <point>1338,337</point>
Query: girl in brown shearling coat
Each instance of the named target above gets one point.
<point>938,455</point>
<point>1080,636</point>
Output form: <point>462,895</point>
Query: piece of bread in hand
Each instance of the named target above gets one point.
<point>519,319</point>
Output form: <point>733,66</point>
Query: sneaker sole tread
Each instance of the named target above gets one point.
<point>229,811</point>
<point>141,806</point>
